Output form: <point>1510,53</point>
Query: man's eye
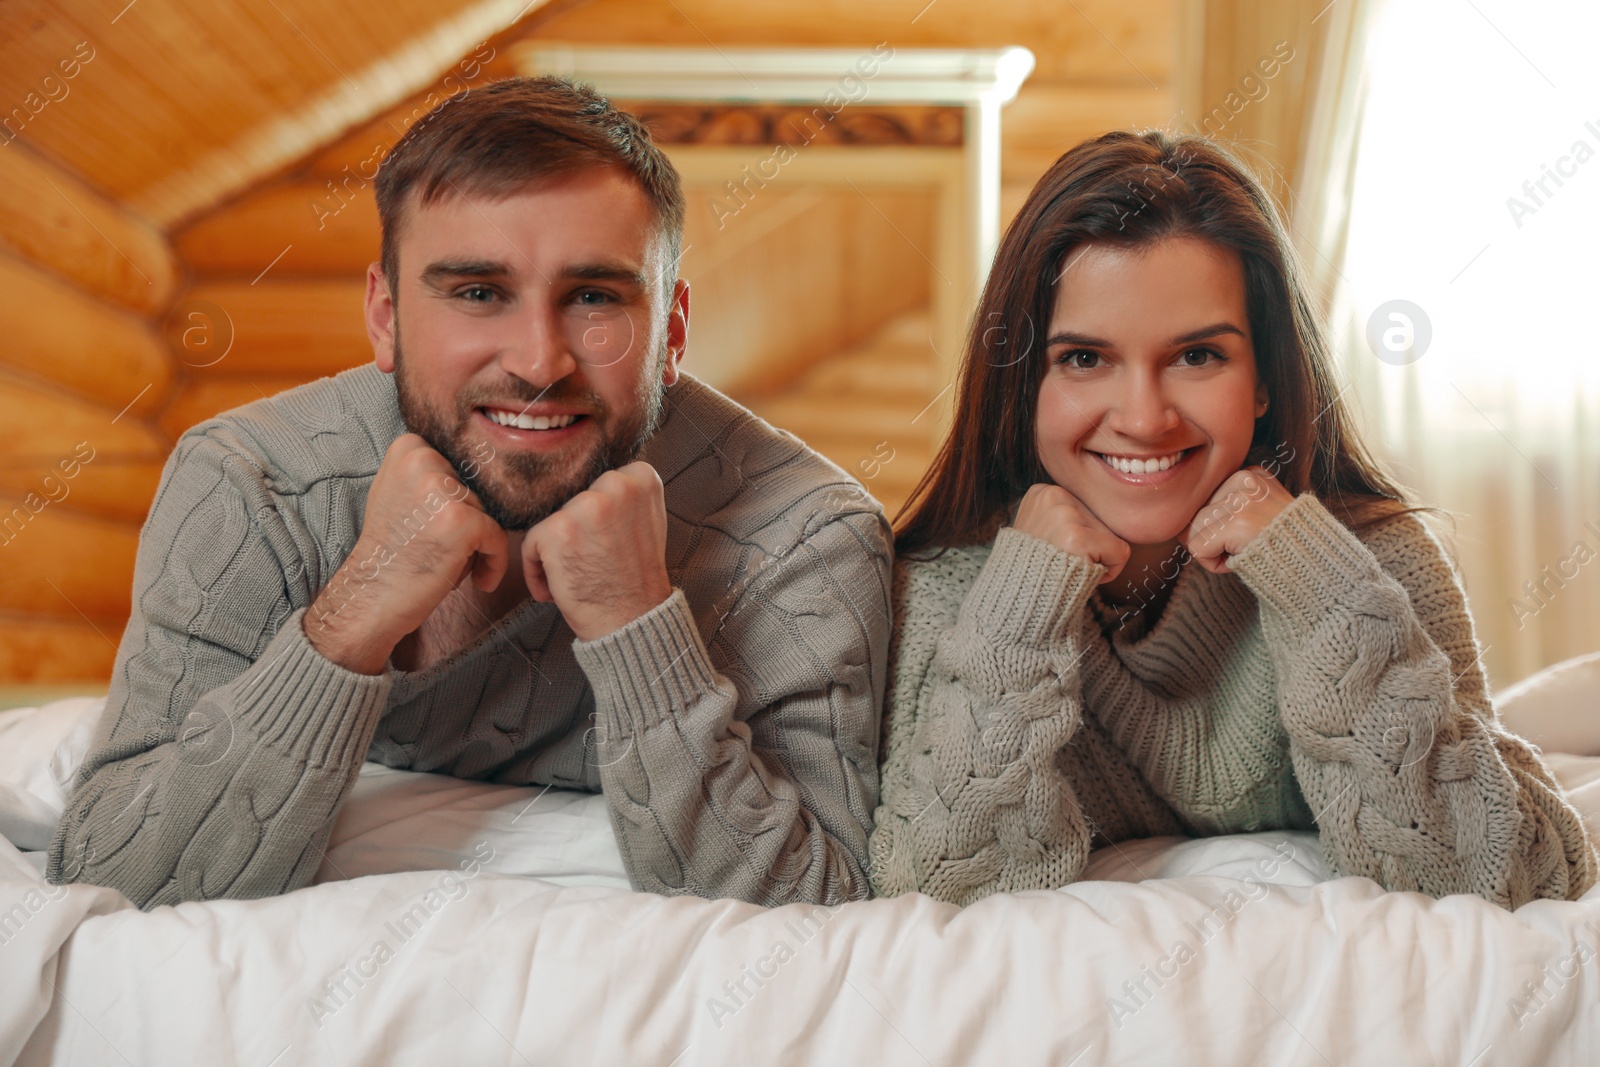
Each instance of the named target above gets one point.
<point>477,294</point>
<point>593,297</point>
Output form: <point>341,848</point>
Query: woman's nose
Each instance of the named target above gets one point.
<point>1143,411</point>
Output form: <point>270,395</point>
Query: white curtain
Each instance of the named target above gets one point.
<point>1453,164</point>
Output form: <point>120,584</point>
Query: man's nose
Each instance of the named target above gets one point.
<point>541,352</point>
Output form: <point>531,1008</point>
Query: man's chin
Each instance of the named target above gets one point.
<point>523,505</point>
<point>519,490</point>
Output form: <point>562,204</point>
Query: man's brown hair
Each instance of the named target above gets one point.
<point>496,140</point>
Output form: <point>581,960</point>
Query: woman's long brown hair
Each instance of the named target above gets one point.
<point>1129,189</point>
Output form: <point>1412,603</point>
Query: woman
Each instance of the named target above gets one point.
<point>1154,584</point>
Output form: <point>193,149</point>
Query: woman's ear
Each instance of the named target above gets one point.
<point>1261,399</point>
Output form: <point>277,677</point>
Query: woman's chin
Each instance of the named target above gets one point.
<point>1143,531</point>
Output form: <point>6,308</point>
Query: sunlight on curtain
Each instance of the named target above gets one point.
<point>1468,289</point>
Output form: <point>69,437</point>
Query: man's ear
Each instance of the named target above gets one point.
<point>380,318</point>
<point>677,332</point>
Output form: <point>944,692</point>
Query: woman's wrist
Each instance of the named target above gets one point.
<point>1304,561</point>
<point>1029,590</point>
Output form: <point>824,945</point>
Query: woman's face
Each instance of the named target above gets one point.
<point>1149,397</point>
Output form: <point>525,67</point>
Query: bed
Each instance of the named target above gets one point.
<point>464,922</point>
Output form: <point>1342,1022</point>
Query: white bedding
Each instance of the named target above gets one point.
<point>458,922</point>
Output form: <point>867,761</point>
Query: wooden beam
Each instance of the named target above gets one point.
<point>45,426</point>
<point>55,332</point>
<point>56,563</point>
<point>1126,41</point>
<point>429,57</point>
<point>50,218</point>
<point>293,328</point>
<point>108,487</point>
<point>40,650</point>
<point>295,227</point>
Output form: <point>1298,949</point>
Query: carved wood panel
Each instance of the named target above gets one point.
<point>800,124</point>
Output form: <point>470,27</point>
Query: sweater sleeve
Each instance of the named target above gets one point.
<point>974,799</point>
<point>759,786</point>
<point>227,741</point>
<point>1393,737</point>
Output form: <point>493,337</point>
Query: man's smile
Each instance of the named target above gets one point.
<point>525,420</point>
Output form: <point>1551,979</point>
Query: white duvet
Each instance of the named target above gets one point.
<point>458,922</point>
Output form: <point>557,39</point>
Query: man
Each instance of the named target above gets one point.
<point>522,547</point>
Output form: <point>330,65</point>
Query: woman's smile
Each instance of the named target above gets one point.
<point>1146,468</point>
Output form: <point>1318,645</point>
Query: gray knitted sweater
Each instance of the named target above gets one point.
<point>1330,682</point>
<point>733,729</point>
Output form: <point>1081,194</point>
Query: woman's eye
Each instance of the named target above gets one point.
<point>1082,359</point>
<point>1199,357</point>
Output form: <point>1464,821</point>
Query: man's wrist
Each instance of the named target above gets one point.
<point>592,627</point>
<point>341,643</point>
<point>650,670</point>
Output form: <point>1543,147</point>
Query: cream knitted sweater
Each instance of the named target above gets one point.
<point>1329,682</point>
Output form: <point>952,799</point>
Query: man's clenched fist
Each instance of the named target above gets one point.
<point>602,558</point>
<point>423,533</point>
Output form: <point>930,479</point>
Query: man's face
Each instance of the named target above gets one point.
<point>539,335</point>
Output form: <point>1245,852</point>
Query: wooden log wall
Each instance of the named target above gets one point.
<point>83,375</point>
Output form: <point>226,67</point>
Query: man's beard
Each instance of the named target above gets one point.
<point>521,489</point>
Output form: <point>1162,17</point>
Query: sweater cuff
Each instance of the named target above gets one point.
<point>301,703</point>
<point>1303,561</point>
<point>1029,590</point>
<point>653,666</point>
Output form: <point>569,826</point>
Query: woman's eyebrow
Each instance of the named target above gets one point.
<point>1216,329</point>
<point>1083,339</point>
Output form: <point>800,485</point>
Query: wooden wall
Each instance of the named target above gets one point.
<point>83,372</point>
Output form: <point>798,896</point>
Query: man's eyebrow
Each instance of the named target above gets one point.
<point>1216,329</point>
<point>445,269</point>
<point>606,272</point>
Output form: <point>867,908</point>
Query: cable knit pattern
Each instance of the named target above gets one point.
<point>1330,682</point>
<point>733,729</point>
